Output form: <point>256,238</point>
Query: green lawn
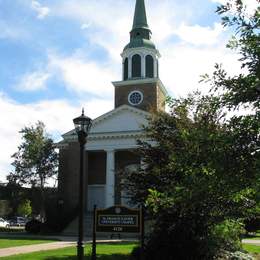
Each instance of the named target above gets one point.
<point>104,252</point>
<point>251,248</point>
<point>11,242</point>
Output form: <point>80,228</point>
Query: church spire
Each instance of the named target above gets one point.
<point>140,35</point>
<point>140,20</point>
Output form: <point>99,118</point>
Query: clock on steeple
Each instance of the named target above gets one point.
<point>140,86</point>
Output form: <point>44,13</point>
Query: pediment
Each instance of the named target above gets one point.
<point>120,120</point>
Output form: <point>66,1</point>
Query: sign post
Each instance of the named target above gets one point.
<point>118,219</point>
<point>94,243</point>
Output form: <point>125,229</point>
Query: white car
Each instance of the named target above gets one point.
<point>4,223</point>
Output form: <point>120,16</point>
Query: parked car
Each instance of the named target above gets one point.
<point>18,221</point>
<point>4,223</point>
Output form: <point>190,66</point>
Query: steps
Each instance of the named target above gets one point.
<point>72,228</point>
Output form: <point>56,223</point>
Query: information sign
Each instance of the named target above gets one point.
<point>118,219</point>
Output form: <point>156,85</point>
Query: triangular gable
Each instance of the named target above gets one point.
<point>122,119</point>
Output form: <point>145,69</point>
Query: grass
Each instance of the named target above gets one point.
<point>12,242</point>
<point>104,252</point>
<point>251,248</point>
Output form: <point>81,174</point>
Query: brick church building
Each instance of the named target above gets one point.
<point>112,139</point>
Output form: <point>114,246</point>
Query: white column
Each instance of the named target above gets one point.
<point>155,70</point>
<point>130,67</point>
<point>143,66</point>
<point>110,178</point>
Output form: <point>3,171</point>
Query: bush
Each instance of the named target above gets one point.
<point>33,226</point>
<point>226,235</point>
<point>252,224</point>
<point>136,253</point>
<point>240,256</point>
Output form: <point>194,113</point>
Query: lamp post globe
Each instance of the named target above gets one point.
<point>82,126</point>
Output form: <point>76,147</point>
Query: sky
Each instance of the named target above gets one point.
<point>59,56</point>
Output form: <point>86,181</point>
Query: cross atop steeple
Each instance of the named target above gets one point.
<point>140,20</point>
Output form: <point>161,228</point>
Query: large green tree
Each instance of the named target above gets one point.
<point>197,179</point>
<point>202,177</point>
<point>35,161</point>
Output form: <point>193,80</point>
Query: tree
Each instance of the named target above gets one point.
<point>25,209</point>
<point>243,89</point>
<point>35,161</point>
<point>202,177</point>
<point>197,179</point>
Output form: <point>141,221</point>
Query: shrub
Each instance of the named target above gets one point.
<point>33,226</point>
<point>226,235</point>
<point>136,254</point>
<point>252,224</point>
<point>240,256</point>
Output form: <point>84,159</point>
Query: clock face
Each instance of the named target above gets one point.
<point>135,98</point>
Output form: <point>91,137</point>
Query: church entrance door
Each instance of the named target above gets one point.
<point>96,196</point>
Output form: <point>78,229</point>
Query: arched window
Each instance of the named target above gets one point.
<point>136,66</point>
<point>126,69</point>
<point>149,66</point>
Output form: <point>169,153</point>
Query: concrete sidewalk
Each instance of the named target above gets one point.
<point>34,248</point>
<point>251,242</point>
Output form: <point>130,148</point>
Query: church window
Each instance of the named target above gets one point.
<point>136,66</point>
<point>135,98</point>
<point>149,66</point>
<point>126,69</point>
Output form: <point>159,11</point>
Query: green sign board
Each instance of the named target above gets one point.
<point>118,219</point>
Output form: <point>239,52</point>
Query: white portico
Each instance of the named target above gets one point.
<point>111,133</point>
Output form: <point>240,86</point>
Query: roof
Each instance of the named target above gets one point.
<point>109,115</point>
<point>139,42</point>
<point>140,20</point>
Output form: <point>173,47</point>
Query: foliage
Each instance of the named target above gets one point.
<point>33,226</point>
<point>252,224</point>
<point>203,177</point>
<point>200,174</point>
<point>25,208</point>
<point>226,235</point>
<point>35,161</point>
<point>245,87</point>
<point>236,256</point>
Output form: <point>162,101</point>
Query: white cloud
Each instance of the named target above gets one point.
<point>85,26</point>
<point>182,65</point>
<point>42,11</point>
<point>33,81</point>
<point>57,116</point>
<point>83,76</point>
<point>199,35</point>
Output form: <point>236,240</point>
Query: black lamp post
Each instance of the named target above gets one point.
<point>82,127</point>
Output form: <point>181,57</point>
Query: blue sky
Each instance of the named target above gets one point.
<point>58,56</point>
